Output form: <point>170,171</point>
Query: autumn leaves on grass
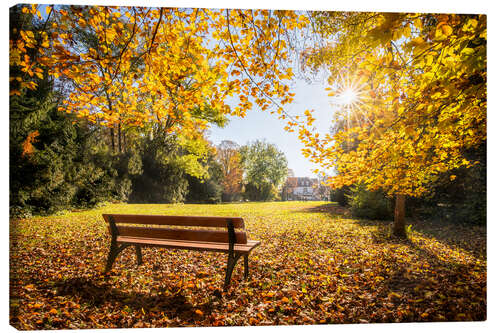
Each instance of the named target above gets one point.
<point>313,266</point>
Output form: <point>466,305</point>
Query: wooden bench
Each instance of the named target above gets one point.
<point>130,230</point>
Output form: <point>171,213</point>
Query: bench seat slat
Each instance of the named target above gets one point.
<point>187,221</point>
<point>189,245</point>
<point>215,236</point>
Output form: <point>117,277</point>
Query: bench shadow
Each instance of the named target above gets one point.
<point>97,293</point>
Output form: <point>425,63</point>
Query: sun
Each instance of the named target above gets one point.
<point>348,97</point>
<point>350,101</point>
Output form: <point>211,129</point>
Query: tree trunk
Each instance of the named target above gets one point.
<point>112,129</point>
<point>399,229</point>
<point>124,143</point>
<point>112,133</point>
<point>119,138</point>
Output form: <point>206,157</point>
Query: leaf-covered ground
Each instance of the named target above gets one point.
<point>314,266</point>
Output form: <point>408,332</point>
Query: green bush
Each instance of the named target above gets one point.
<point>457,196</point>
<point>263,192</point>
<point>204,191</point>
<point>207,190</point>
<point>372,205</point>
<point>339,196</point>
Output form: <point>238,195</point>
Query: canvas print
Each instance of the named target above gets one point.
<point>174,167</point>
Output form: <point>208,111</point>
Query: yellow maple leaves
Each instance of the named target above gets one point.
<point>417,118</point>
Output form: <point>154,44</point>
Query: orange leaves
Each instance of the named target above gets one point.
<point>180,71</point>
<point>28,37</point>
<point>357,274</point>
<point>268,294</point>
<point>29,287</point>
<point>28,148</point>
<point>309,117</point>
<point>446,29</point>
<point>230,159</point>
<point>443,31</point>
<point>82,22</point>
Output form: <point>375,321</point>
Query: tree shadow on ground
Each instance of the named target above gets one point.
<point>450,234</point>
<point>382,234</point>
<point>418,290</point>
<point>443,274</point>
<point>443,232</point>
<point>332,209</point>
<point>471,238</point>
<point>446,233</point>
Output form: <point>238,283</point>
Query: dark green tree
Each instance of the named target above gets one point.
<point>56,160</point>
<point>207,190</point>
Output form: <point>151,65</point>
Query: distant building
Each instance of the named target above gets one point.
<point>303,188</point>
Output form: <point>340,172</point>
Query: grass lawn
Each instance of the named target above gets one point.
<point>313,266</point>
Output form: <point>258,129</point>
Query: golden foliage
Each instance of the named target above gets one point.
<point>424,81</point>
<point>160,64</point>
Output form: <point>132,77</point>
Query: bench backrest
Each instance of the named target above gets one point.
<point>120,224</point>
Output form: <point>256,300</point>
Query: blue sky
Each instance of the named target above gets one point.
<point>260,124</point>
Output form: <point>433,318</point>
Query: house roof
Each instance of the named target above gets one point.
<point>301,181</point>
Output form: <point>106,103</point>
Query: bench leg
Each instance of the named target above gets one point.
<point>231,262</point>
<point>114,251</point>
<point>138,254</point>
<point>246,266</point>
<point>111,257</point>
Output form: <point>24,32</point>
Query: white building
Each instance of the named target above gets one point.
<point>301,188</point>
